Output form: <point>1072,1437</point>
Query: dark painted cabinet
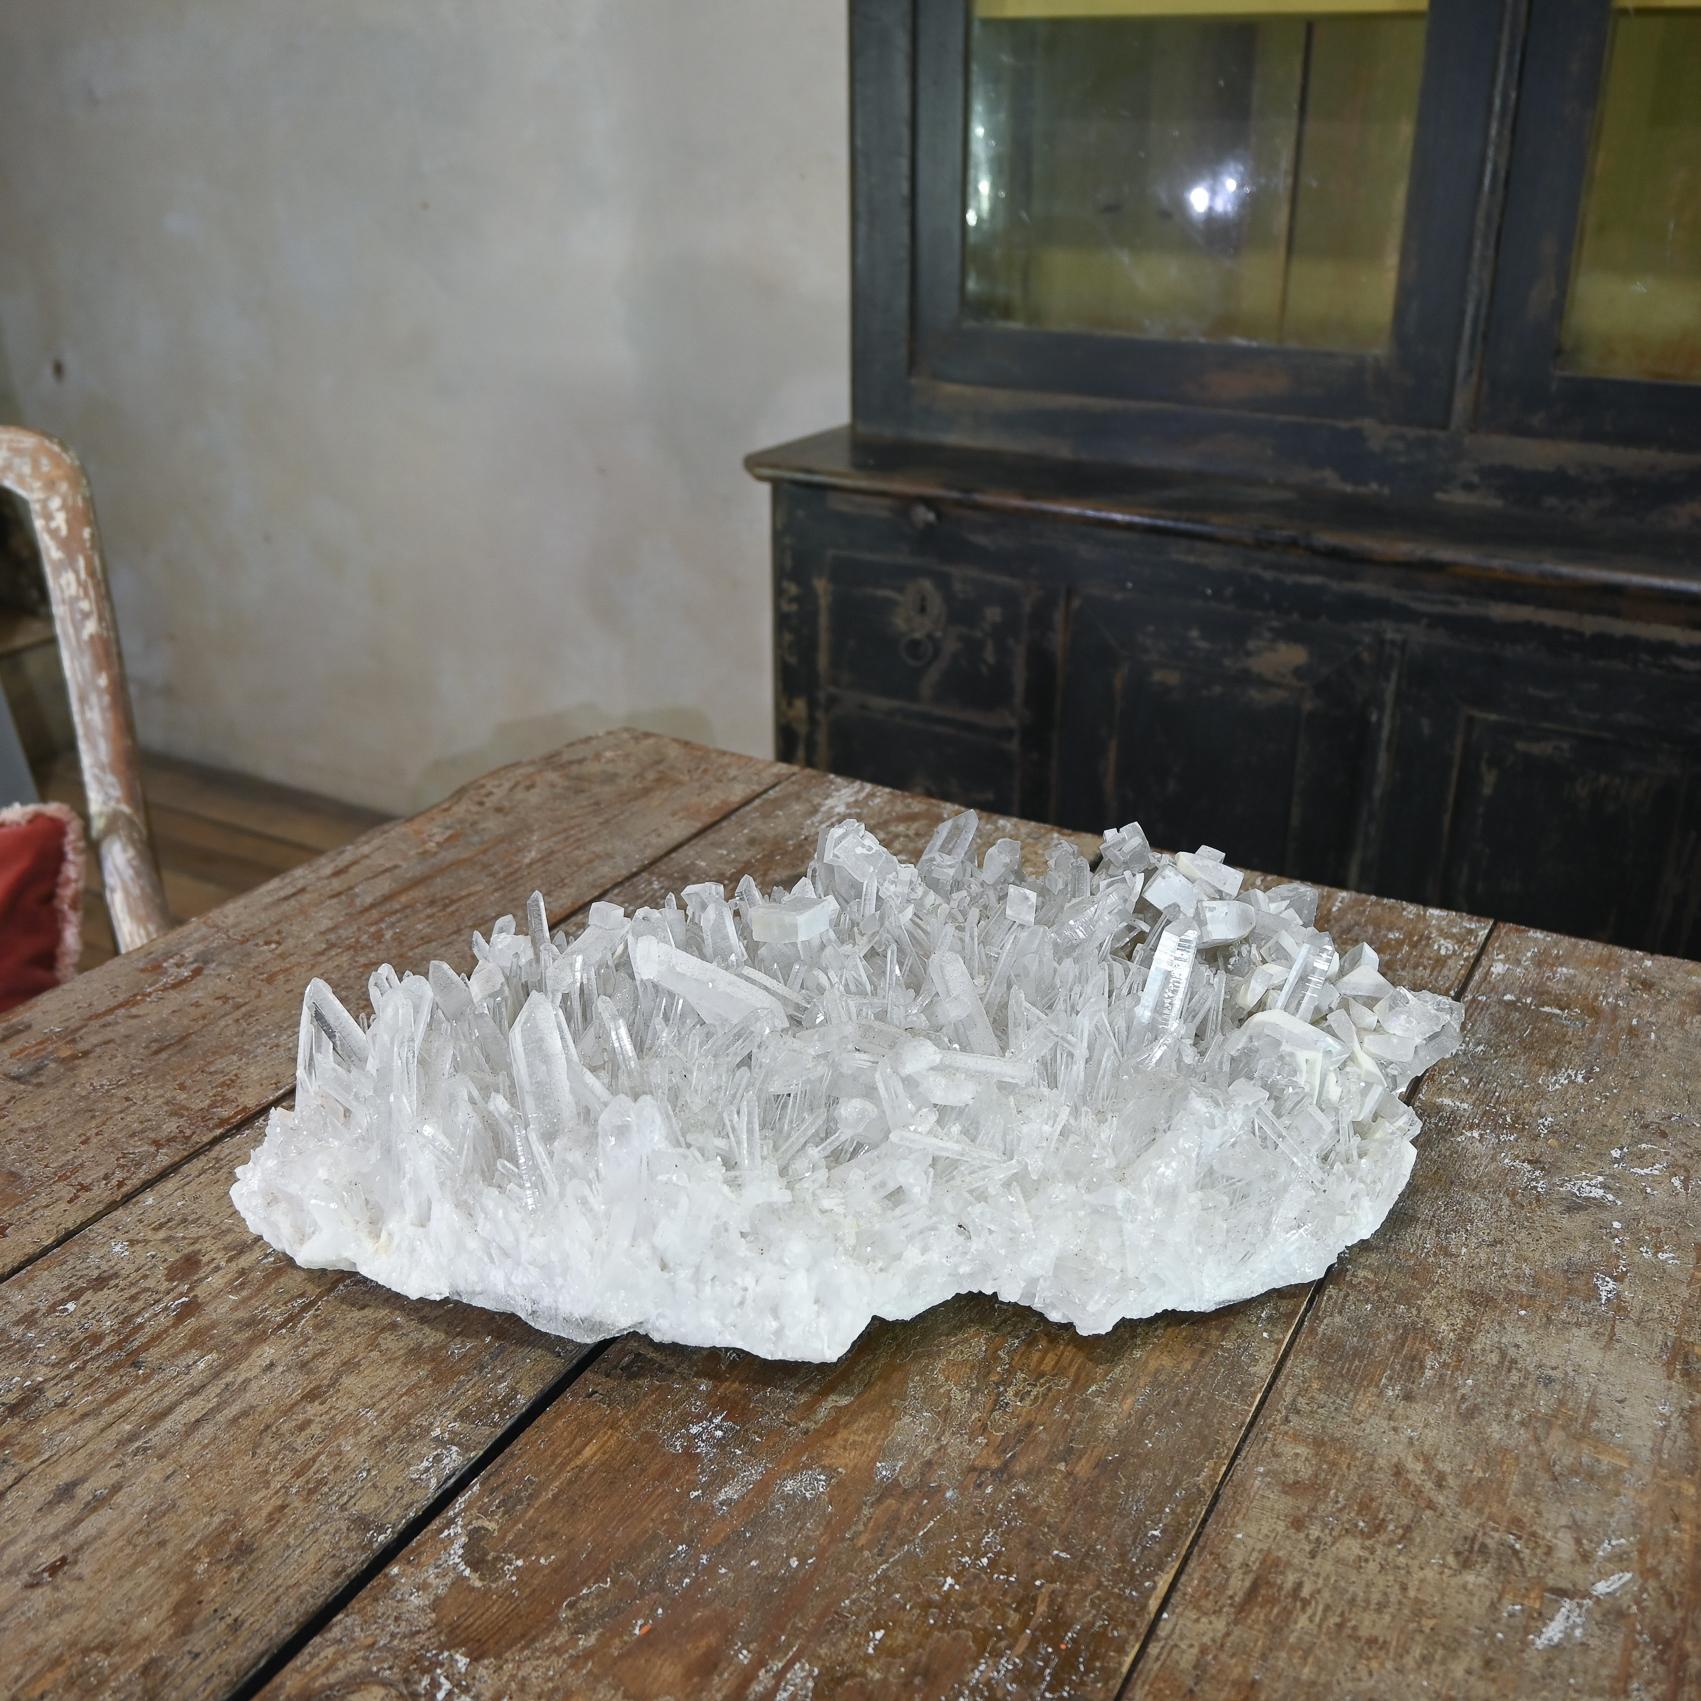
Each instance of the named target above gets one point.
<point>1281,425</point>
<point>1563,790</point>
<point>1474,723</point>
<point>1220,725</point>
<point>911,655</point>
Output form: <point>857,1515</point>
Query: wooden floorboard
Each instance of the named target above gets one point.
<point>217,835</point>
<point>21,631</point>
<point>280,812</point>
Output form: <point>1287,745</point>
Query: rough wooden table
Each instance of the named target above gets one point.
<point>1465,1463</point>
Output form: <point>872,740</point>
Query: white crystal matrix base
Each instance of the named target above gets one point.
<point>760,1121</point>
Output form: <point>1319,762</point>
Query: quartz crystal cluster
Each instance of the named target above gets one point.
<point>760,1120</point>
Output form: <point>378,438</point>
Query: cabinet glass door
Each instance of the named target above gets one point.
<point>1634,305</point>
<point>1193,172</point>
<point>1594,330</point>
<point>1264,205</point>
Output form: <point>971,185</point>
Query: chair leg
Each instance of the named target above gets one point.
<point>49,478</point>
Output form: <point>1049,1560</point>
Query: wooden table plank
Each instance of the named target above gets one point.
<point>199,1440</point>
<point>175,1389</point>
<point>109,1081</point>
<point>1480,1466</point>
<point>974,1503</point>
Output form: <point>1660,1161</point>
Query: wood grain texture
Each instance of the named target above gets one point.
<point>1447,736</point>
<point>110,1080</point>
<point>224,835</point>
<point>238,800</point>
<point>174,1388</point>
<point>199,1440</point>
<point>21,630</point>
<point>974,1503</point>
<point>1477,1473</point>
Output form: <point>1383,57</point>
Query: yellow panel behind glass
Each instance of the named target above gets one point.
<point>1228,177</point>
<point>1634,306</point>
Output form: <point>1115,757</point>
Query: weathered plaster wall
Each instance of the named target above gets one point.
<point>413,348</point>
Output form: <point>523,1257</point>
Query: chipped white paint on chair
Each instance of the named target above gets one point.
<point>50,479</point>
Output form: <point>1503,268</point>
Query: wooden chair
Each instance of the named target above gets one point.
<point>50,479</point>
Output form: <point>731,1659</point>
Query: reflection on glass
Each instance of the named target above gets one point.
<point>1634,307</point>
<point>1240,175</point>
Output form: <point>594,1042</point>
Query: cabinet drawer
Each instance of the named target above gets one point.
<point>912,752</point>
<point>935,637</point>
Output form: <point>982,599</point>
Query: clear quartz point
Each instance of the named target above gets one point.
<point>941,863</point>
<point>759,1121</point>
<point>792,920</point>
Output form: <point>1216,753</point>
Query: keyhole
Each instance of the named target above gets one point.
<point>923,608</point>
<point>921,620</point>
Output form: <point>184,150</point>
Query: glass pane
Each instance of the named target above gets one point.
<point>1137,166</point>
<point>1634,308</point>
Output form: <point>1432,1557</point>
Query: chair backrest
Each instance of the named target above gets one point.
<point>49,478</point>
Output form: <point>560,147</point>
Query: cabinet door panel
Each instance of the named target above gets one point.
<point>916,648</point>
<point>1548,791</point>
<point>1212,725</point>
<point>920,753</point>
<point>936,637</point>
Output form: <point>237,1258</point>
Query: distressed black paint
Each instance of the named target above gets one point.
<point>1487,729</point>
<point>1426,623</point>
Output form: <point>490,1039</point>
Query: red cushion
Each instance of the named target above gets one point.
<point>41,899</point>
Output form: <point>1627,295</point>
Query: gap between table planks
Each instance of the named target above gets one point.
<point>100,1093</point>
<point>1475,1472</point>
<point>242,1535</point>
<point>977,1501</point>
<point>261,1431</point>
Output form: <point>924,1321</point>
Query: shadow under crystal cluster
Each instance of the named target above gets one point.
<point>760,1121</point>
